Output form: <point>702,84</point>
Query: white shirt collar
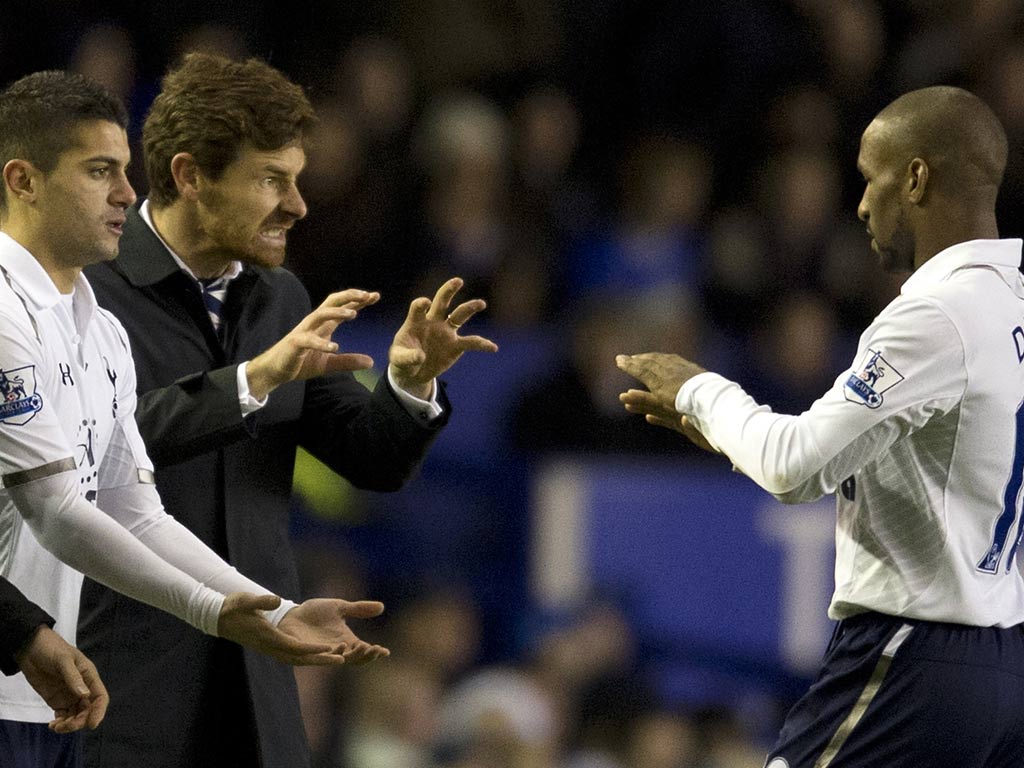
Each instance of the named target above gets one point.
<point>234,268</point>
<point>36,286</point>
<point>1001,254</point>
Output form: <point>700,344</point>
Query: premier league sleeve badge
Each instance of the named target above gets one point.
<point>19,401</point>
<point>870,380</point>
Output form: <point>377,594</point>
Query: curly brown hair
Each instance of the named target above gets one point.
<point>209,107</point>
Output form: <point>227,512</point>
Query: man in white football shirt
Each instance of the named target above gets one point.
<point>76,481</point>
<point>923,437</point>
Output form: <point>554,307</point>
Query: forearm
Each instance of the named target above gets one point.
<point>796,458</point>
<point>369,438</point>
<point>138,509</point>
<point>776,451</point>
<point>192,416</point>
<point>89,541</point>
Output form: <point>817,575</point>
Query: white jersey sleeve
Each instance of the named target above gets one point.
<point>38,470</point>
<point>32,442</point>
<point>909,368</point>
<point>127,494</point>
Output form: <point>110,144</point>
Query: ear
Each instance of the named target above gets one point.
<point>917,180</point>
<point>186,175</point>
<point>21,180</point>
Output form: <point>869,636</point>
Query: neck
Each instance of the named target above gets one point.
<point>63,275</point>
<point>955,226</point>
<point>178,224</point>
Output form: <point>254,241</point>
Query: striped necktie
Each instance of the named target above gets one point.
<point>214,292</point>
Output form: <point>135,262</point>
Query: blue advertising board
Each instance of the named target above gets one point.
<point>708,560</point>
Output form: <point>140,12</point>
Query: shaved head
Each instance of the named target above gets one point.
<point>953,131</point>
<point>932,163</point>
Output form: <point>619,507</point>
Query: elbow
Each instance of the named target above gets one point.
<point>788,486</point>
<point>383,474</point>
<point>780,483</point>
<point>791,497</point>
<point>793,488</point>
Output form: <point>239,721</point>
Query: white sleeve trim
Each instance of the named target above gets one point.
<point>80,535</point>
<point>246,402</point>
<point>426,410</point>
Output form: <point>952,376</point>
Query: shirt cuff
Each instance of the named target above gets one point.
<point>421,410</point>
<point>246,402</point>
<point>275,616</point>
<point>684,397</point>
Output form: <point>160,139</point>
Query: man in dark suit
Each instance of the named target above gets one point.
<point>199,288</point>
<point>58,671</point>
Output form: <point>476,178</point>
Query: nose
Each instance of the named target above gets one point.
<point>293,204</point>
<point>122,194</point>
<point>862,208</point>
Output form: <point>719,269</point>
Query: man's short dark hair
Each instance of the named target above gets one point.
<point>209,107</point>
<point>39,113</point>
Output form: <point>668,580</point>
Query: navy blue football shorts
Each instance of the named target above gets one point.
<point>33,745</point>
<point>901,693</point>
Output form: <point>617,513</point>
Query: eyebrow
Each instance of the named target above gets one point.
<point>104,159</point>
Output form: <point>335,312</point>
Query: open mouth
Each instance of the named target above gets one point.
<point>117,227</point>
<point>275,234</point>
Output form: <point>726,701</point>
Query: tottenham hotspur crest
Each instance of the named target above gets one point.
<point>18,399</point>
<point>871,379</point>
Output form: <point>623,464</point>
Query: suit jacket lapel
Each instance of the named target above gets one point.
<point>149,266</point>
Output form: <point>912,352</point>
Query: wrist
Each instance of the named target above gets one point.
<point>422,391</point>
<point>19,655</point>
<point>257,374</point>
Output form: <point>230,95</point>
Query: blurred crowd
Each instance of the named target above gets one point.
<point>644,175</point>
<point>576,697</point>
<point>625,177</point>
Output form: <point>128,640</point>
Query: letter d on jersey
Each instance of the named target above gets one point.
<point>19,401</point>
<point>1018,340</point>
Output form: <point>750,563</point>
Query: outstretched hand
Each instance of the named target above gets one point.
<point>428,343</point>
<point>242,621</point>
<point>307,351</point>
<point>66,679</point>
<point>663,375</point>
<point>323,620</point>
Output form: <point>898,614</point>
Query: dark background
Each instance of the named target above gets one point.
<point>614,177</point>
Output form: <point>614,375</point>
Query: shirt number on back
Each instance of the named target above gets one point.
<point>1011,506</point>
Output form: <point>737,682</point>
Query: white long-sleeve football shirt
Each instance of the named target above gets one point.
<point>69,444</point>
<point>923,438</point>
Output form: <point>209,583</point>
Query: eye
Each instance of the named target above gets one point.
<point>99,173</point>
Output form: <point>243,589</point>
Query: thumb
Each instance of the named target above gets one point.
<point>349,361</point>
<point>363,609</point>
<point>246,601</point>
<point>72,677</point>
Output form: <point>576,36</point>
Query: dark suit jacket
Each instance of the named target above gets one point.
<point>19,619</point>
<point>229,480</point>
